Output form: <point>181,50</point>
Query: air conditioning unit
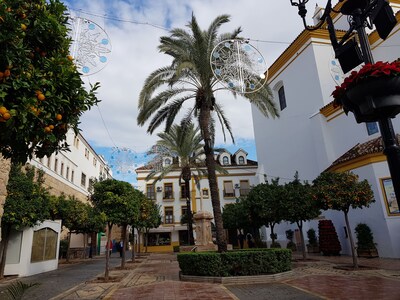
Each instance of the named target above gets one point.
<point>159,189</point>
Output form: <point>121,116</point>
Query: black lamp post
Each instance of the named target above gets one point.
<point>361,14</point>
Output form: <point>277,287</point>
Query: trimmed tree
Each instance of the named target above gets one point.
<point>300,206</point>
<point>342,191</point>
<point>116,200</point>
<point>265,205</point>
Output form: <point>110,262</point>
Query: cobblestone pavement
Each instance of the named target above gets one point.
<point>157,277</point>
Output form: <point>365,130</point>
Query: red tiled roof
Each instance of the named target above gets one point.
<point>370,147</point>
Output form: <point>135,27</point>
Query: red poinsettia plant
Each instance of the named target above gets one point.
<point>367,72</point>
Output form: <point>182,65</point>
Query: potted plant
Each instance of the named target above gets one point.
<point>312,246</point>
<point>371,93</point>
<point>365,241</point>
<point>289,235</point>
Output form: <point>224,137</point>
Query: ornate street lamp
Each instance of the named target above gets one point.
<point>361,14</point>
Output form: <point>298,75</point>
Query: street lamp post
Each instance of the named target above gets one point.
<point>361,14</point>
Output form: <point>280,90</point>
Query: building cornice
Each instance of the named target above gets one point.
<point>358,162</point>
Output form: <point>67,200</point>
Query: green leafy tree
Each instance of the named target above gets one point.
<point>79,217</point>
<point>234,216</point>
<point>342,191</point>
<point>27,204</point>
<point>300,206</point>
<point>135,199</point>
<point>151,218</point>
<point>183,143</point>
<point>190,79</point>
<point>116,200</point>
<point>41,92</point>
<point>265,205</point>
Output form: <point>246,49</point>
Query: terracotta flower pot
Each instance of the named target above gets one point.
<point>374,99</point>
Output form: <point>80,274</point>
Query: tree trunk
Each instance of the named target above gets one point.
<point>124,241</point>
<point>205,121</point>
<point>84,245</point>
<point>272,225</point>
<point>353,249</point>
<point>68,247</point>
<point>6,230</point>
<point>133,244</point>
<point>303,244</point>
<point>107,271</point>
<point>146,239</point>
<point>186,177</point>
<point>138,241</point>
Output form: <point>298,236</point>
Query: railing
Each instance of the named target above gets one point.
<point>230,194</point>
<point>244,192</point>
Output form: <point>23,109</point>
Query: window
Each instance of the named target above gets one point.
<point>72,176</point>
<point>62,169</point>
<point>56,165</point>
<point>76,142</point>
<point>159,238</point>
<point>14,247</point>
<point>244,187</point>
<point>225,160</point>
<point>91,182</point>
<point>205,193</point>
<point>228,189</point>
<point>241,160</point>
<point>167,161</point>
<point>282,98</point>
<point>183,191</point>
<point>87,153</point>
<point>49,162</point>
<point>67,173</point>
<point>44,245</point>
<point>83,180</point>
<point>150,192</point>
<point>168,192</point>
<point>94,161</point>
<point>169,215</point>
<point>372,127</point>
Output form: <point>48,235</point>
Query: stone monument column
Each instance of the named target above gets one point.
<point>204,241</point>
<point>5,166</point>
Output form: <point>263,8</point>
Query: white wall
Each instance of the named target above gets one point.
<point>25,267</point>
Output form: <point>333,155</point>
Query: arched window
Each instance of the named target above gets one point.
<point>167,161</point>
<point>225,160</point>
<point>241,160</point>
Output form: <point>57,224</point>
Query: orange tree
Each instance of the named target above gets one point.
<point>41,92</point>
<point>342,191</point>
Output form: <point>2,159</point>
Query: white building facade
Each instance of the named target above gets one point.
<point>312,136</point>
<point>169,194</point>
<point>36,250</point>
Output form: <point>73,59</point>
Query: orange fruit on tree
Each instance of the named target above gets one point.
<point>59,117</point>
<point>3,110</point>
<point>23,26</point>
<point>70,57</point>
<point>6,116</point>
<point>7,73</point>
<point>41,97</point>
<point>1,75</point>
<point>47,129</point>
<point>51,127</point>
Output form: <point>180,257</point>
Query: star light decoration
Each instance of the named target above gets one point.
<point>90,45</point>
<point>238,66</point>
<point>123,161</point>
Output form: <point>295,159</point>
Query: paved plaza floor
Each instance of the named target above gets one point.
<point>156,276</point>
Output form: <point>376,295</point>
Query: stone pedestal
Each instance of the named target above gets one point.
<point>204,241</point>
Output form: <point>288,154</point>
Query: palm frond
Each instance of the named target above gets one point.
<point>17,289</point>
<point>263,100</point>
<point>224,122</point>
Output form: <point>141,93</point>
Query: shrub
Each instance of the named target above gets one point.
<point>312,237</point>
<point>176,248</point>
<point>365,238</point>
<point>235,263</point>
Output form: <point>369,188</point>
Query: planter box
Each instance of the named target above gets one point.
<point>368,253</point>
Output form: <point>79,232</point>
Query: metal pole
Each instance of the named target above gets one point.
<point>391,147</point>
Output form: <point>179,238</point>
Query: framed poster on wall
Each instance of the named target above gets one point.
<point>390,197</point>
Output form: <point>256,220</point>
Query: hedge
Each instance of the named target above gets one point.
<point>235,263</point>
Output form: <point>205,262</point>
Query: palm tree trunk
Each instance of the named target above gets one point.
<point>204,121</point>
<point>353,250</point>
<point>188,209</point>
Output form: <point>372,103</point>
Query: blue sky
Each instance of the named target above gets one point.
<point>133,29</point>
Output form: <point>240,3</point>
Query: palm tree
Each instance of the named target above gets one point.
<point>190,77</point>
<point>184,143</point>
